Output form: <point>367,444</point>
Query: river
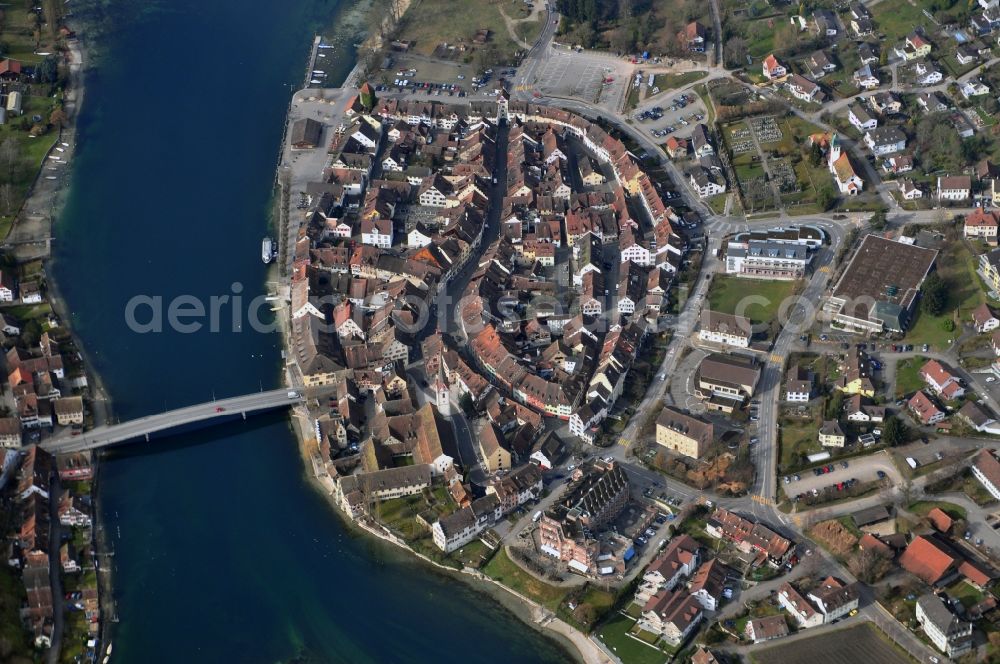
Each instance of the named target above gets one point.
<point>223,552</point>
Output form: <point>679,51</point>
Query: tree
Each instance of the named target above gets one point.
<point>815,155</point>
<point>878,221</point>
<point>48,69</point>
<point>935,294</point>
<point>883,57</point>
<point>894,432</point>
<point>735,51</point>
<point>825,197</point>
<point>948,325</point>
<point>58,117</point>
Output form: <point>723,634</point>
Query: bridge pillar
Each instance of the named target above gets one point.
<point>147,437</point>
<point>244,414</point>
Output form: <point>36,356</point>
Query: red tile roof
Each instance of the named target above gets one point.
<point>927,559</point>
<point>940,520</point>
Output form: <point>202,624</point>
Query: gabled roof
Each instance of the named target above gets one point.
<point>928,559</point>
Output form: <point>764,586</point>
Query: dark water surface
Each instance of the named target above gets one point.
<point>225,553</point>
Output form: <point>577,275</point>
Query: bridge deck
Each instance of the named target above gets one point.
<point>151,424</point>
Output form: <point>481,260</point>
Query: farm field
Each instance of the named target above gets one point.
<point>856,644</point>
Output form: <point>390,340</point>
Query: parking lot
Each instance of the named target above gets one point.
<point>674,113</point>
<point>593,78</point>
<point>864,469</point>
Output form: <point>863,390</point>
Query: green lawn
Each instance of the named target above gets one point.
<point>31,153</point>
<point>528,31</point>
<point>614,634</point>
<point>965,593</point>
<point>922,507</point>
<point>674,81</point>
<point>728,294</point>
<point>797,437</point>
<point>898,18</point>
<point>717,203</point>
<point>504,570</point>
<point>429,23</point>
<point>956,266</point>
<point>908,378</point>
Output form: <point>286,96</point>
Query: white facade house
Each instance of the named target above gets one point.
<point>885,140</point>
<point>377,232</point>
<point>950,635</point>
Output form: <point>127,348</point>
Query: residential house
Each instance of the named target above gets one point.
<point>924,409</point>
<point>701,142</point>
<point>858,116</point>
<point>671,614</point>
<point>983,225</point>
<point>946,631</point>
<point>773,69</point>
<point>986,469</point>
<point>909,190</point>
<point>885,140</point>
<point>760,630</point>
<point>867,53</point>
<point>820,64</point>
<point>803,89</point>
<point>678,561</point>
<point>826,23</point>
<point>683,434</point>
<point>973,88</point>
<point>708,584</point>
<point>834,599</point>
<point>706,183</point>
<point>68,411</point>
<point>831,435</point>
<point>857,411</point>
<point>798,385</point>
<point>983,319</point>
<point>954,188</point>
<point>941,380</point>
<point>914,46</point>
<point>865,78</point>
<point>798,606</point>
<point>724,329</point>
<point>695,34</point>
<point>885,103</point>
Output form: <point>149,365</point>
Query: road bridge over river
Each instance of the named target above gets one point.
<point>144,428</point>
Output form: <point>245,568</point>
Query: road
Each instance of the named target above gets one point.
<point>219,410</point>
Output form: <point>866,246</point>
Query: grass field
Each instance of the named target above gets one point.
<point>956,265</point>
<point>501,568</point>
<point>428,23</point>
<point>756,299</point>
<point>675,81</point>
<point>614,634</point>
<point>862,643</point>
<point>922,507</point>
<point>897,18</point>
<point>908,379</point>
<point>797,437</point>
<point>528,31</point>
